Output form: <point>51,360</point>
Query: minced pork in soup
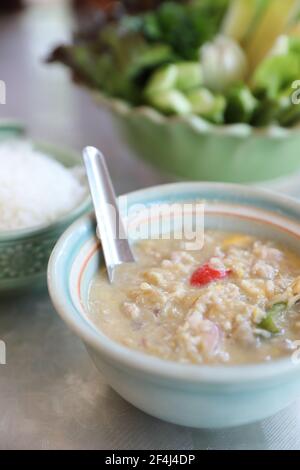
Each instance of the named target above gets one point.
<point>234,301</point>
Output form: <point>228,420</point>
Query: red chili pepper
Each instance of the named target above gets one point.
<point>206,274</point>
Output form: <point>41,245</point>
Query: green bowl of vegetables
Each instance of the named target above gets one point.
<point>203,90</point>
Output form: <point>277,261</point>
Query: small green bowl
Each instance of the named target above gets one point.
<point>24,253</point>
<point>189,147</point>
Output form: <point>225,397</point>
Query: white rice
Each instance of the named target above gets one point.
<point>34,188</point>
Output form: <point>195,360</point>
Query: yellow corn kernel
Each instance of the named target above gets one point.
<point>239,272</point>
<point>154,277</point>
<point>236,240</point>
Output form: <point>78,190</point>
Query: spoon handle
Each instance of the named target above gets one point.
<point>114,242</point>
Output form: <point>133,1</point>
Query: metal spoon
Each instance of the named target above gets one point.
<point>115,245</point>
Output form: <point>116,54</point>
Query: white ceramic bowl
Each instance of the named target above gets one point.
<point>192,395</point>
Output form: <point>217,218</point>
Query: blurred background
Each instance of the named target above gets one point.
<point>197,89</point>
<point>45,99</point>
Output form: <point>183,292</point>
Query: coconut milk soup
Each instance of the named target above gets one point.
<point>234,301</point>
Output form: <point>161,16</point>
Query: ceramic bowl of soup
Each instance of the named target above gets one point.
<point>202,332</point>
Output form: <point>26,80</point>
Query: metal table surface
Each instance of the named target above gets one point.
<point>51,396</point>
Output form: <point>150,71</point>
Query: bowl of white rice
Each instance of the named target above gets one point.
<point>42,191</point>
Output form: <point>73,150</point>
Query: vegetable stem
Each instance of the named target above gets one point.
<point>271,321</point>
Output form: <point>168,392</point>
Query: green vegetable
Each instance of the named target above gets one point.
<point>271,321</point>
<point>163,79</point>
<point>241,18</point>
<point>184,27</point>
<point>150,58</point>
<point>170,102</point>
<point>271,23</point>
<point>266,113</point>
<point>277,72</point>
<point>293,44</point>
<point>289,116</point>
<point>117,64</point>
<point>241,104</point>
<point>223,63</point>
<point>207,105</point>
<point>288,113</point>
<point>153,57</point>
<point>167,87</point>
<point>273,84</point>
<point>189,76</point>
